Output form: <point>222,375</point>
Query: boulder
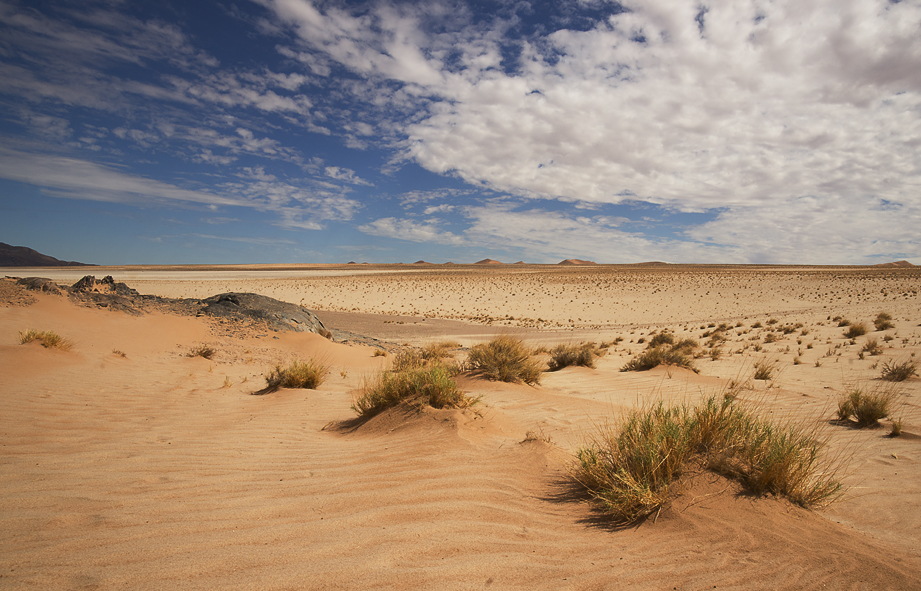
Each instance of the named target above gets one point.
<point>277,314</point>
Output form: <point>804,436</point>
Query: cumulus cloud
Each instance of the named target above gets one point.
<point>347,175</point>
<point>412,231</point>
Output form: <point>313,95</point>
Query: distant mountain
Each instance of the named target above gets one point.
<point>20,256</point>
<point>488,262</point>
<point>576,262</point>
<point>902,264</point>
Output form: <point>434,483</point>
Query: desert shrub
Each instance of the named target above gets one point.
<point>764,369</point>
<point>663,338</point>
<point>883,321</point>
<point>297,374</point>
<point>866,407</point>
<point>565,355</point>
<point>407,359</point>
<point>651,358</point>
<point>872,347</point>
<point>856,330</point>
<point>842,321</point>
<point>770,338</point>
<point>631,470</point>
<point>48,339</point>
<point>504,359</point>
<point>899,371</point>
<point>419,386</point>
<point>436,351</point>
<point>205,351</point>
<point>380,353</point>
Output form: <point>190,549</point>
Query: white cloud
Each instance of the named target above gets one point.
<point>443,208</point>
<point>347,175</point>
<point>412,231</point>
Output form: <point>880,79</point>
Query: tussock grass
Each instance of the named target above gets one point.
<point>656,356</point>
<point>899,371</point>
<point>856,330</point>
<point>883,321</point>
<point>407,359</point>
<point>504,359</point>
<point>632,469</point>
<point>48,339</point>
<point>866,406</point>
<point>565,355</point>
<point>418,386</point>
<point>436,351</point>
<point>298,374</point>
<point>205,351</point>
<point>765,368</point>
<point>872,347</point>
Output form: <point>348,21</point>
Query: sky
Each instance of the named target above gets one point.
<point>297,131</point>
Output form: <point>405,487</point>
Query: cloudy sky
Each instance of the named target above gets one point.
<point>274,131</point>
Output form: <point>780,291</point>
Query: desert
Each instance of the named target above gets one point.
<point>129,461</point>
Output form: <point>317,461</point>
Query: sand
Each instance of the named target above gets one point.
<point>127,464</point>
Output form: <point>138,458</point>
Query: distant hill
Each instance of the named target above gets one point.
<point>576,262</point>
<point>20,256</point>
<point>488,262</point>
<point>901,264</point>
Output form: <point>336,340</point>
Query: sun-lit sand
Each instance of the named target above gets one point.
<point>128,464</point>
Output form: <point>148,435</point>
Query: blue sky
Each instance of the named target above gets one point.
<point>285,131</point>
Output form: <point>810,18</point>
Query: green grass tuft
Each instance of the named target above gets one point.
<point>504,359</point>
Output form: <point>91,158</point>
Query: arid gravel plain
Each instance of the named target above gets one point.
<point>126,463</point>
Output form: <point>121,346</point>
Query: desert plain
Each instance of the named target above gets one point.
<point>125,463</point>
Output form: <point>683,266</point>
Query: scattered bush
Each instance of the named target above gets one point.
<point>504,359</point>
<point>48,339</point>
<point>651,358</point>
<point>436,351</point>
<point>298,374</point>
<point>565,355</point>
<point>866,407</point>
<point>856,330</point>
<point>407,359</point>
<point>883,321</point>
<point>631,470</point>
<point>663,338</point>
<point>872,347</point>
<point>432,386</point>
<point>205,351</point>
<point>899,371</point>
<point>842,321</point>
<point>380,353</point>
<point>764,369</point>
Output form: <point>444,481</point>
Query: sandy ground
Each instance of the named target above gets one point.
<point>127,464</point>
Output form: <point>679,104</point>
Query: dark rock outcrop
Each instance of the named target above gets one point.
<point>277,314</point>
<point>39,284</point>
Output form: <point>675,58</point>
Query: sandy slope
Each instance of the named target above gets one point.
<point>149,471</point>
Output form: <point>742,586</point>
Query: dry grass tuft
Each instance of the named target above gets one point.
<point>632,470</point>
<point>504,359</point>
<point>765,368</point>
<point>566,355</point>
<point>206,351</point>
<point>656,356</point>
<point>872,347</point>
<point>48,339</point>
<point>856,330</point>
<point>899,371</point>
<point>297,374</point>
<point>883,321</point>
<point>418,386</point>
<point>866,407</point>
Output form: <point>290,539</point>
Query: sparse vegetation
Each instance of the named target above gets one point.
<point>866,406</point>
<point>899,371</point>
<point>657,356</point>
<point>856,330</point>
<point>297,374</point>
<point>883,321</point>
<point>565,355</point>
<point>504,359</point>
<point>419,386</point>
<point>380,353</point>
<point>632,470</point>
<point>872,347</point>
<point>205,351</point>
<point>765,368</point>
<point>48,339</point>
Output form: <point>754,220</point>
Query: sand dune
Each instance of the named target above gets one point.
<point>156,470</point>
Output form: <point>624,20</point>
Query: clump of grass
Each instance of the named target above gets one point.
<point>856,330</point>
<point>883,321</point>
<point>632,470</point>
<point>663,338</point>
<point>565,355</point>
<point>899,371</point>
<point>765,368</point>
<point>651,358</point>
<point>504,359</point>
<point>896,428</point>
<point>872,347</point>
<point>298,374</point>
<point>419,386</point>
<point>205,351</point>
<point>48,339</point>
<point>436,351</point>
<point>866,407</point>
